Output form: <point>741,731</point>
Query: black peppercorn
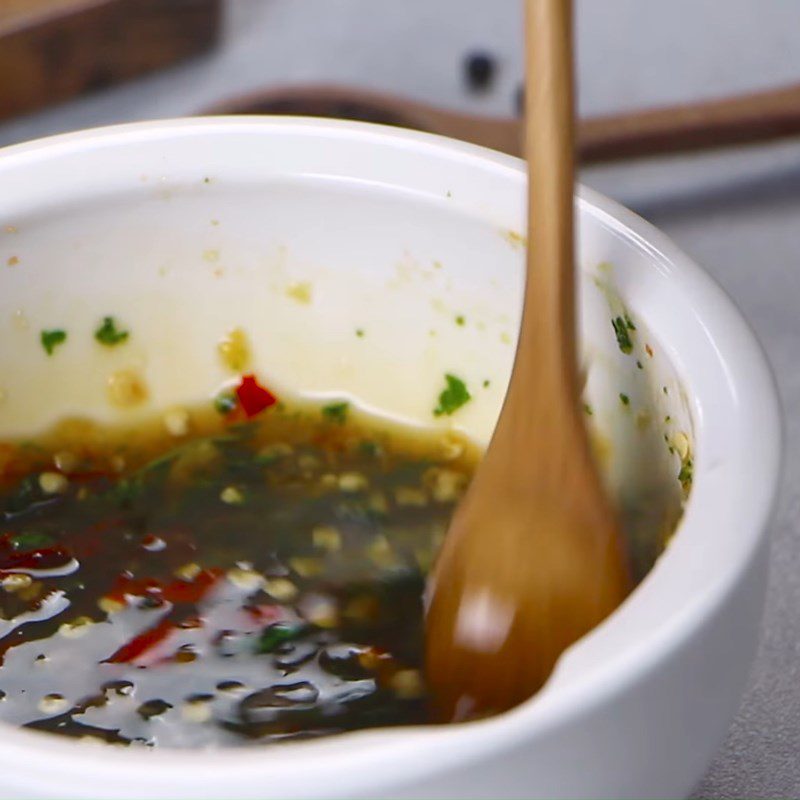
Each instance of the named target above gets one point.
<point>480,69</point>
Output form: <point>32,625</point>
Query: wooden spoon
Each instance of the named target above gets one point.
<point>751,118</point>
<point>534,557</point>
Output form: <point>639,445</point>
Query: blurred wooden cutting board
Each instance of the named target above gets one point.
<point>51,50</point>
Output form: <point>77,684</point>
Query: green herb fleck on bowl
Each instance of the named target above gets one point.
<point>109,334</point>
<point>453,397</point>
<point>51,339</point>
<point>686,474</point>
<point>621,330</point>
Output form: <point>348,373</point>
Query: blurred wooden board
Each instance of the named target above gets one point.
<point>51,50</point>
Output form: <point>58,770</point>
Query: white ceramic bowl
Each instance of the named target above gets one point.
<point>185,229</point>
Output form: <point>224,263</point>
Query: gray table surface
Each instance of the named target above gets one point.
<point>737,213</point>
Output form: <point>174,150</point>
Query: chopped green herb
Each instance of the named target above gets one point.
<point>626,401</point>
<point>629,323</point>
<point>370,449</point>
<point>665,390</point>
<point>108,334</point>
<point>460,320</point>
<point>640,365</point>
<point>32,447</point>
<point>671,450</point>
<point>225,402</point>
<point>51,339</point>
<point>269,458</point>
<point>453,397</point>
<point>668,418</point>
<point>336,412</point>
<point>160,462</point>
<point>360,333</point>
<point>278,633</point>
<point>26,495</point>
<point>686,473</point>
<point>623,337</point>
<point>486,383</point>
<point>588,409</point>
<point>127,491</point>
<point>32,540</point>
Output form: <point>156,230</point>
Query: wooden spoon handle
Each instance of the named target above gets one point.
<point>544,385</point>
<point>745,119</point>
<point>547,334</point>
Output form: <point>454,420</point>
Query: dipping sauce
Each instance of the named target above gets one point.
<point>209,579</point>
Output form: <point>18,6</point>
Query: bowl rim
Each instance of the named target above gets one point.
<point>380,751</point>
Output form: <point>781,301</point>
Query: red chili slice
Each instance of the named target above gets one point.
<point>254,398</point>
<point>141,643</point>
<point>177,591</point>
<point>181,591</point>
<point>138,587</point>
<point>43,558</point>
<point>90,476</point>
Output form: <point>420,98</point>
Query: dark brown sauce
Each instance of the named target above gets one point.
<point>205,580</point>
<point>256,581</point>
